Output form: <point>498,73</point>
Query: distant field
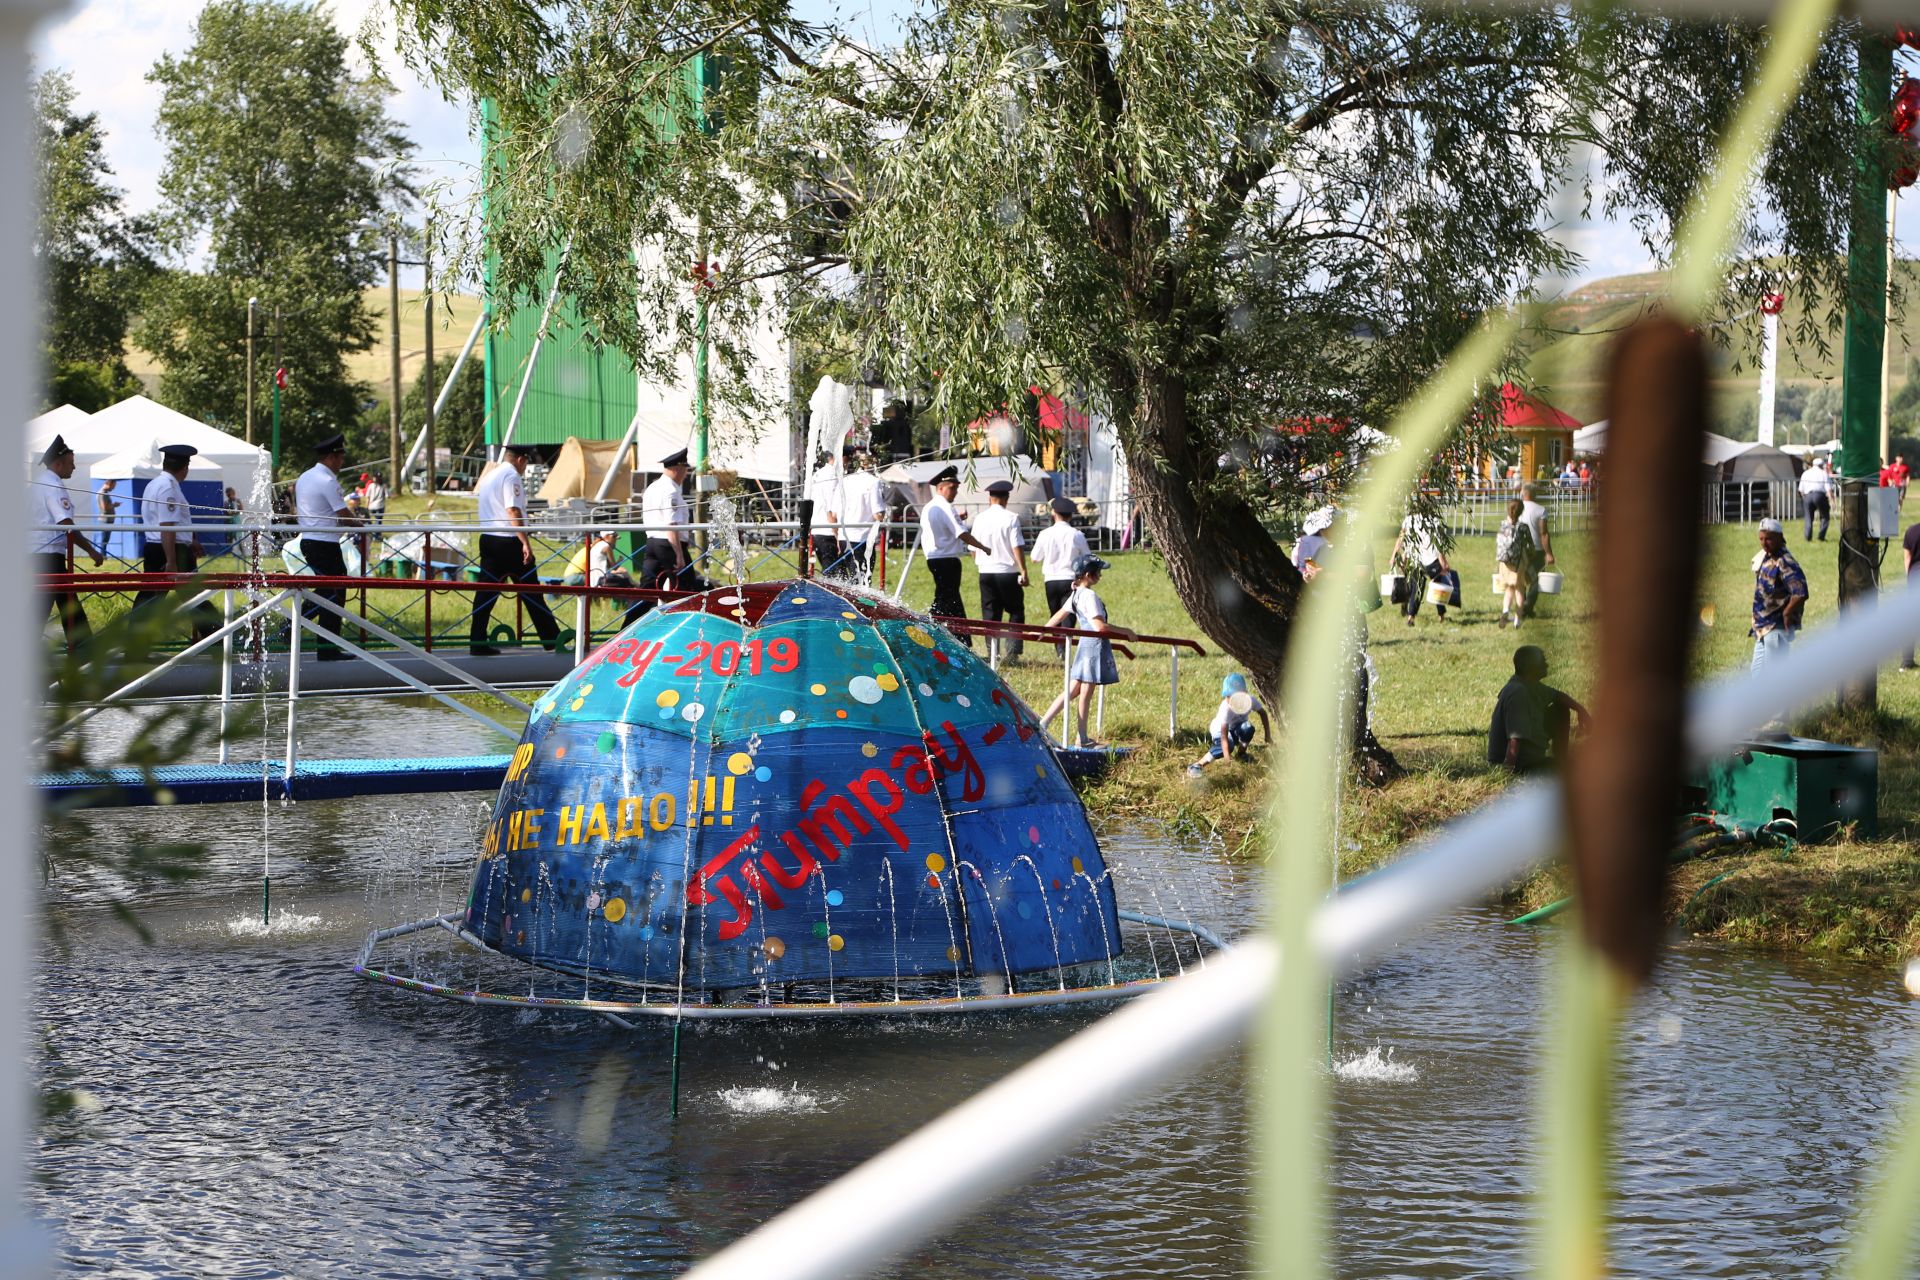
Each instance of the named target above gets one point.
<point>1570,366</point>
<point>453,320</point>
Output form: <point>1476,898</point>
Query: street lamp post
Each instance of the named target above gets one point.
<point>279,384</point>
<point>393,330</point>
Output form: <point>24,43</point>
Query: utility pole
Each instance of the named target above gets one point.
<point>393,329</point>
<point>279,382</point>
<point>1866,334</point>
<point>426,386</point>
<point>252,305</point>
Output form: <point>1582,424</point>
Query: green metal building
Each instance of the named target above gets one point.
<point>578,388</point>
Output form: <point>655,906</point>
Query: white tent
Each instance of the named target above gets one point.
<point>123,442</point>
<point>1731,461</point>
<point>133,431</point>
<point>1745,462</point>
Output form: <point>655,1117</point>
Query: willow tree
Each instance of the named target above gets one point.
<point>1206,219</point>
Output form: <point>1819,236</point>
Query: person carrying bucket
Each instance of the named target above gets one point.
<point>1093,663</point>
<point>1231,732</point>
<point>1416,546</point>
<point>1513,556</point>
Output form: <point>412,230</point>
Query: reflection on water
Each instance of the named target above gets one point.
<point>265,1113</point>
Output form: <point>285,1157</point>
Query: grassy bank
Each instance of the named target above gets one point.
<point>1437,682</point>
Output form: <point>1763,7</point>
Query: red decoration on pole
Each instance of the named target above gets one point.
<point>1908,36</point>
<point>280,377</point>
<point>1906,127</point>
<point>1774,304</point>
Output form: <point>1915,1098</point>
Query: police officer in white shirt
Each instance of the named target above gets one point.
<point>942,538</point>
<point>1057,549</point>
<point>859,505</point>
<point>1816,486</point>
<point>163,511</point>
<point>504,556</point>
<point>322,512</point>
<point>52,506</point>
<point>664,564</point>
<point>1002,563</point>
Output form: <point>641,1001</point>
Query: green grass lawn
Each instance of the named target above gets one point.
<point>1435,691</point>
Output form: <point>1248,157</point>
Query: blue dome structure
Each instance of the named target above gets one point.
<point>788,783</point>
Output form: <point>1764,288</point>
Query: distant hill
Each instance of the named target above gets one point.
<point>453,320</point>
<point>1570,366</point>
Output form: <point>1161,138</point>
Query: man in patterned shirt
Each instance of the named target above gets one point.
<point>1779,596</point>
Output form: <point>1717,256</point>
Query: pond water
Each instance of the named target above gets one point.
<point>264,1113</point>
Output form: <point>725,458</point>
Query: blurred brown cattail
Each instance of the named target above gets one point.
<point>1624,785</point>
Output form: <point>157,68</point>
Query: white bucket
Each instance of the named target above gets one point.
<point>1440,592</point>
<point>1390,585</point>
<point>1550,582</point>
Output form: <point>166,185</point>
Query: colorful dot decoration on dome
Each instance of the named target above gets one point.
<point>702,778</point>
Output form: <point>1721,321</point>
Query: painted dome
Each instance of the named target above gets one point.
<point>788,782</point>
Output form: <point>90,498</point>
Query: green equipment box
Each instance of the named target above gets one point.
<point>1822,786</point>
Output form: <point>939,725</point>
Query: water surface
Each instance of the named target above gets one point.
<point>265,1113</point>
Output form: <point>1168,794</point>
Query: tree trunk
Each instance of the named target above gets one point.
<point>1234,579</point>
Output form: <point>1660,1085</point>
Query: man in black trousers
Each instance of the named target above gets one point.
<point>506,553</point>
<point>322,511</point>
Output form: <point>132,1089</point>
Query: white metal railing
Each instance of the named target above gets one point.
<point>991,1142</point>
<point>1478,511</point>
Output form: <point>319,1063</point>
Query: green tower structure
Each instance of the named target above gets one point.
<point>579,387</point>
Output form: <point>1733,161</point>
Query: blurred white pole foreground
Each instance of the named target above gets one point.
<point>991,1142</point>
<point>23,1250</point>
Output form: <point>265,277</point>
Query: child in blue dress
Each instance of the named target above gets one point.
<point>1093,663</point>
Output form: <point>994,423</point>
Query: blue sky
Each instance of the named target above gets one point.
<point>109,44</point>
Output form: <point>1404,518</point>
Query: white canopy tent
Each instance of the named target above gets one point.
<point>1731,461</point>
<point>1746,462</point>
<point>123,442</point>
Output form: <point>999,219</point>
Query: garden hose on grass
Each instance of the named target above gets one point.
<point>1702,835</point>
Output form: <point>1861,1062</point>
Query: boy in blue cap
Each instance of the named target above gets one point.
<point>1231,732</point>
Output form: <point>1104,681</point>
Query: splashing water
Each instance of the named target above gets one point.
<point>723,525</point>
<point>1376,1066</point>
<point>760,1100</point>
<point>287,924</point>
